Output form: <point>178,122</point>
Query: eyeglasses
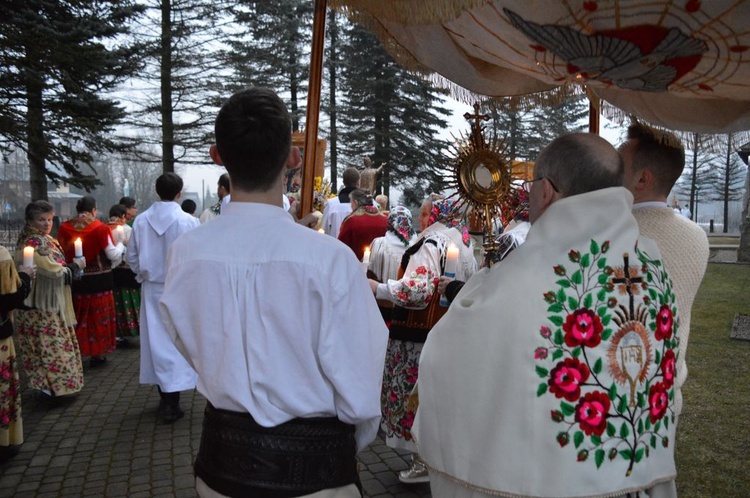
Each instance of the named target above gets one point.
<point>527,184</point>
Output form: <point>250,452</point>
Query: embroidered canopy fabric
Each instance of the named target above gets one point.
<point>683,64</point>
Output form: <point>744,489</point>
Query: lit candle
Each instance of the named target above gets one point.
<point>78,244</point>
<point>28,256</point>
<point>119,234</point>
<point>451,263</point>
<point>320,230</point>
<point>366,259</point>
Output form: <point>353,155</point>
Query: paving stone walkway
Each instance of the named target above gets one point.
<point>109,441</point>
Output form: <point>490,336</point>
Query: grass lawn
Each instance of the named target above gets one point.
<point>713,434</point>
<point>715,241</point>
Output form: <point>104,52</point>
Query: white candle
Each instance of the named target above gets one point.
<point>366,259</point>
<point>28,256</point>
<point>320,230</point>
<point>78,244</point>
<point>119,234</point>
<point>451,260</point>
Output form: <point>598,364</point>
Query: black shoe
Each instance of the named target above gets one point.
<point>8,452</point>
<point>172,413</point>
<point>96,361</point>
<point>47,399</point>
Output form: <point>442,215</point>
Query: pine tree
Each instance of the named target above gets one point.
<point>271,49</point>
<point>730,178</point>
<point>180,87</point>
<point>58,62</point>
<point>697,180</point>
<point>390,115</point>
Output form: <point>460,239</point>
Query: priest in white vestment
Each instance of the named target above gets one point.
<point>154,231</point>
<point>340,207</point>
<point>553,372</point>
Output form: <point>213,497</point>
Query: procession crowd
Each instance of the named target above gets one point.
<point>554,371</point>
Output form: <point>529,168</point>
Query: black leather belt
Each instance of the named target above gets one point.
<point>240,458</point>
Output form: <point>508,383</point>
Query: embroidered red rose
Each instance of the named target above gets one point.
<point>545,332</point>
<point>566,378</point>
<point>664,323</point>
<point>668,368</point>
<point>658,401</point>
<point>421,270</point>
<point>591,413</point>
<point>540,353</point>
<point>583,328</point>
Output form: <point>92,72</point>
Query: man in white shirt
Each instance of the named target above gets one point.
<point>154,231</point>
<point>654,160</point>
<point>340,207</point>
<point>222,191</point>
<point>287,340</point>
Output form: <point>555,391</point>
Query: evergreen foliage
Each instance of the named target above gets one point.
<point>58,61</point>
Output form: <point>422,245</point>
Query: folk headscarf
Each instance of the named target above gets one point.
<point>399,224</point>
<point>446,211</point>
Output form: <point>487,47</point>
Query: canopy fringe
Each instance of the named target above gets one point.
<point>408,12</point>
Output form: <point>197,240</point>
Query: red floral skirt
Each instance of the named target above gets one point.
<point>11,424</point>
<point>97,324</point>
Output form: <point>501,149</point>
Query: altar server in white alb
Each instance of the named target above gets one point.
<point>286,336</point>
<point>654,160</point>
<point>154,231</point>
<point>553,373</point>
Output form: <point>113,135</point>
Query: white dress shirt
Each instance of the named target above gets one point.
<point>284,326</point>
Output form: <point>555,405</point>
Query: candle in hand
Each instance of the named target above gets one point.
<point>78,244</point>
<point>451,260</point>
<point>119,234</point>
<point>366,259</point>
<point>28,256</point>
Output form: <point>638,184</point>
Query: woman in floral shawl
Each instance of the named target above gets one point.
<point>46,328</point>
<point>14,287</point>
<point>415,312</point>
<point>387,251</point>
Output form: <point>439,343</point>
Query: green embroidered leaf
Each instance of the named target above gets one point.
<point>603,278</point>
<point>585,261</point>
<point>640,427</point>
<point>541,372</point>
<point>557,354</point>
<point>572,303</point>
<point>594,247</point>
<point>601,263</point>
<point>639,455</point>
<point>588,301</point>
<point>653,440</point>
<point>652,293</point>
<point>606,319</point>
<point>599,457</point>
<point>671,396</point>
<point>576,352</point>
<point>559,335</point>
<point>601,311</point>
<point>649,277</point>
<point>563,282</point>
<point>555,308</point>
<point>561,295</point>
<point>612,392</point>
<point>606,334</point>
<point>626,454</point>
<point>577,277</point>
<point>642,402</point>
<point>657,426</point>
<point>652,313</point>
<point>556,320</point>
<point>596,440</point>
<point>601,295</point>
<point>566,408</point>
<point>622,406</point>
<point>648,423</point>
<point>542,389</point>
<point>624,430</point>
<point>578,438</point>
<point>598,366</point>
<point>666,422</point>
<point>611,431</point>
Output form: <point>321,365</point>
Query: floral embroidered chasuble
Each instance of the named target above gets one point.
<point>552,374</point>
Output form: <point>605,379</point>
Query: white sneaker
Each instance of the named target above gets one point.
<point>415,474</point>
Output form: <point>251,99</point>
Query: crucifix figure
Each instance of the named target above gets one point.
<point>476,126</point>
<point>628,281</point>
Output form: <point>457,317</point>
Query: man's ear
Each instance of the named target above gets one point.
<point>295,158</point>
<point>644,180</point>
<point>213,151</point>
<point>548,193</point>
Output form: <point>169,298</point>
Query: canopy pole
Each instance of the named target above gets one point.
<point>593,113</point>
<point>313,108</point>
